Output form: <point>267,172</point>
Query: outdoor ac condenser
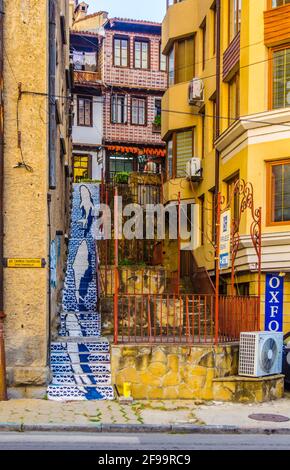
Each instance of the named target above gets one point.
<point>260,353</point>
<point>196,92</point>
<point>193,169</point>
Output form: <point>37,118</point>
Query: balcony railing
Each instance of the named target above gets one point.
<point>83,76</point>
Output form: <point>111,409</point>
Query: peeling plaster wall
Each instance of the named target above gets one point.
<point>26,221</point>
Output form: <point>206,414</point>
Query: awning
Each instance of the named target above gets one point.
<point>154,152</point>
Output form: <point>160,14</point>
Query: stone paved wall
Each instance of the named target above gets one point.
<point>171,372</point>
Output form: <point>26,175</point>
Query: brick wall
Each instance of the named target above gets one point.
<point>126,78</point>
<point>127,132</point>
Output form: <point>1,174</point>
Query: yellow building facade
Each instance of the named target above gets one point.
<point>37,172</point>
<point>242,123</point>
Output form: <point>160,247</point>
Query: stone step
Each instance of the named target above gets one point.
<point>70,324</point>
<point>81,339</point>
<point>91,369</point>
<point>82,348</point>
<point>80,332</point>
<point>81,379</point>
<point>79,393</point>
<point>90,316</point>
<point>75,358</point>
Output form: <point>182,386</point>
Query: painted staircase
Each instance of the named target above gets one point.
<point>80,358</point>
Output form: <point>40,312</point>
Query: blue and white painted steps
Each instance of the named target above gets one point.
<point>80,324</point>
<point>79,393</point>
<point>81,371</point>
<point>70,379</point>
<point>80,360</point>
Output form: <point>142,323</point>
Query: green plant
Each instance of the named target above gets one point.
<point>88,180</point>
<point>122,177</point>
<point>126,262</point>
<point>157,120</point>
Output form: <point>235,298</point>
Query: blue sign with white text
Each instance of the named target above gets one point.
<point>274,297</point>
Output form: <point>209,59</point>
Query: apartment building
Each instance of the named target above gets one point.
<point>36,181</point>
<point>134,75</point>
<point>87,130</point>
<point>238,129</point>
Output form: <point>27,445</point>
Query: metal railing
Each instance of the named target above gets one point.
<point>183,319</point>
<point>135,251</point>
<point>86,76</point>
<point>137,281</point>
<point>141,193</point>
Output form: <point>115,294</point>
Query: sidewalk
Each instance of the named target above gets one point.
<point>186,416</point>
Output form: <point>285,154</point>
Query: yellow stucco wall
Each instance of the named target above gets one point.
<point>90,23</point>
<point>245,146</point>
<point>26,301</point>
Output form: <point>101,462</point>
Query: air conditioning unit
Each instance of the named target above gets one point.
<point>260,353</point>
<point>193,169</point>
<point>196,92</point>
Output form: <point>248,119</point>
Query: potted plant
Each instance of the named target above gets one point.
<point>121,178</point>
<point>157,123</point>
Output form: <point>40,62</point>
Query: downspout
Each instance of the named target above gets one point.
<point>218,108</point>
<point>51,141</point>
<point>218,91</point>
<point>3,386</point>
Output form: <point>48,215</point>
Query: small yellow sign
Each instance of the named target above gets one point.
<point>24,263</point>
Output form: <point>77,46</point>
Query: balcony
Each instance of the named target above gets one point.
<point>231,57</point>
<point>181,19</point>
<point>277,26</point>
<point>82,77</point>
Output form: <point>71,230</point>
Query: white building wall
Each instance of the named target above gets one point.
<point>89,135</point>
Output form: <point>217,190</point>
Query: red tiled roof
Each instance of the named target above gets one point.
<point>130,20</point>
<point>87,33</point>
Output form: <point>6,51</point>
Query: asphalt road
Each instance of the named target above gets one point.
<point>77,441</point>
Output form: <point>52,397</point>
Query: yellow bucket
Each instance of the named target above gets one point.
<point>127,392</point>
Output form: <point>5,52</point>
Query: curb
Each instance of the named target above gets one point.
<point>139,428</point>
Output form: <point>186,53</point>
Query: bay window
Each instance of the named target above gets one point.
<point>234,98</point>
<point>278,192</point>
<point>171,67</point>
<point>162,60</point>
<point>279,3</point>
<point>179,151</point>
<point>170,159</point>
<point>184,60</point>
<point>235,17</point>
<point>181,61</point>
<point>281,78</point>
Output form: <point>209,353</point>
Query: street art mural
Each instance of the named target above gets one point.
<point>53,264</point>
<point>81,371</point>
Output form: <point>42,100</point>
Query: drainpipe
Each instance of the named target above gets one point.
<point>52,136</point>
<point>3,386</point>
<point>218,109</point>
